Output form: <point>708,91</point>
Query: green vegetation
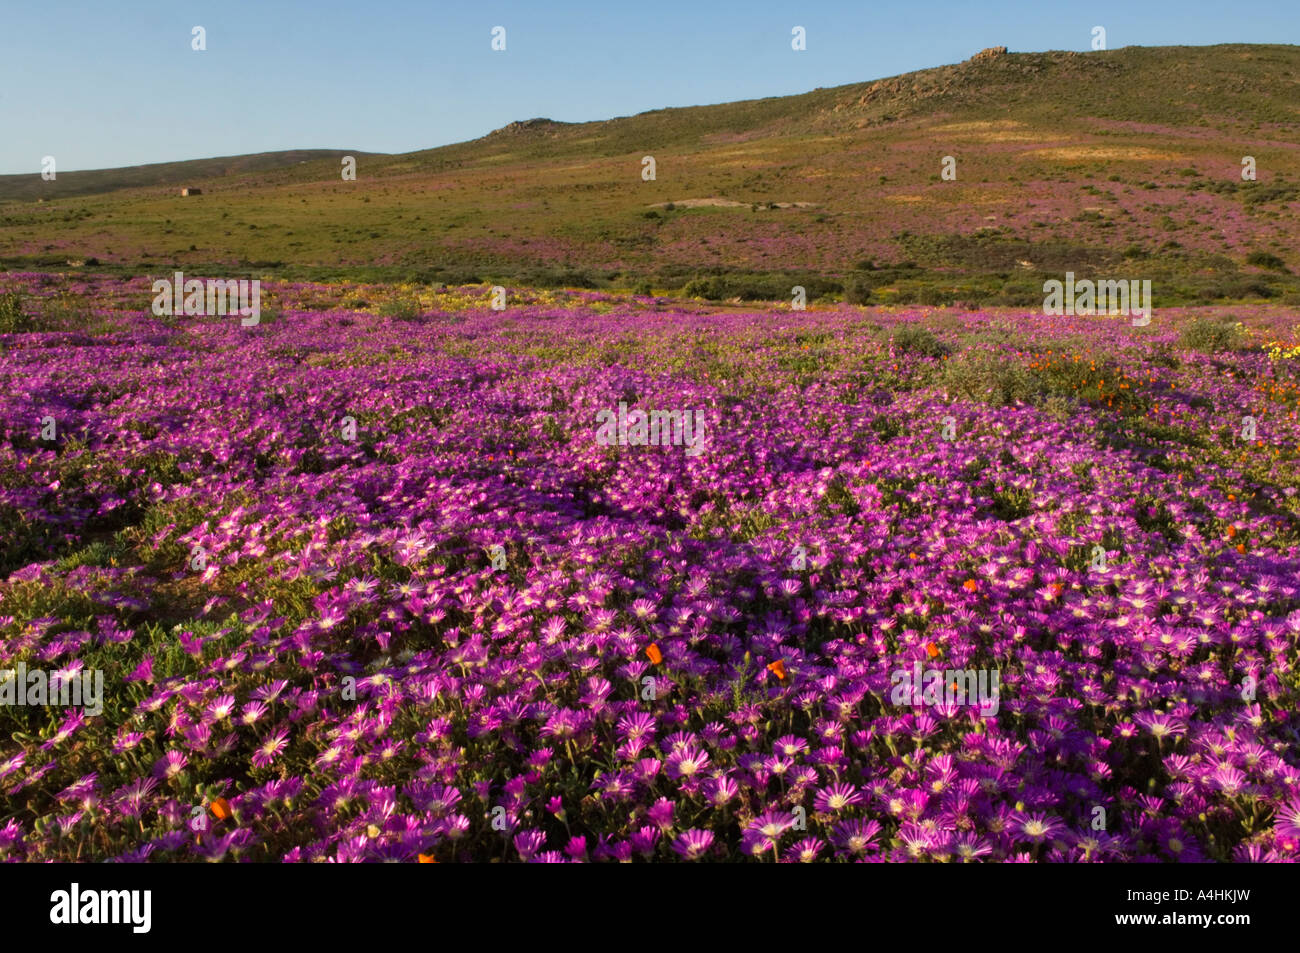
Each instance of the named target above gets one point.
<point>910,339</point>
<point>13,316</point>
<point>1210,335</point>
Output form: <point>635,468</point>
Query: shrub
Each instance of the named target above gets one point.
<point>13,316</point>
<point>1059,407</point>
<point>753,287</point>
<point>713,288</point>
<point>1208,335</point>
<point>1019,295</point>
<point>988,377</point>
<point>1263,259</point>
<point>909,339</point>
<point>1259,194</point>
<point>857,291</point>
<point>1162,356</point>
<point>403,309</point>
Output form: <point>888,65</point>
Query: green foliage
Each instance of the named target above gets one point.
<point>885,427</point>
<point>1265,260</point>
<point>912,339</point>
<point>758,287</point>
<point>989,250</point>
<point>987,376</point>
<point>857,291</point>
<point>558,278</point>
<point>1011,503</point>
<point>401,309</point>
<point>13,314</point>
<point>839,498</point>
<point>1257,194</point>
<point>1209,335</point>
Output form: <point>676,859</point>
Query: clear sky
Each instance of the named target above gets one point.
<point>106,83</point>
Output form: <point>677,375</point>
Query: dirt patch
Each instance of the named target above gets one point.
<point>728,203</point>
<point>1133,154</point>
<point>980,126</point>
<point>998,130</point>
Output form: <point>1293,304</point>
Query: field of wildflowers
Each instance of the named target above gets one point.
<point>364,585</point>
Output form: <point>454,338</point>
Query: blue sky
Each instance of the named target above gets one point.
<point>104,84</point>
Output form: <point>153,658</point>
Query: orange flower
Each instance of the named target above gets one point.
<point>1241,548</point>
<point>1057,588</point>
<point>1232,531</point>
<point>777,668</point>
<point>653,654</point>
<point>932,649</point>
<point>970,585</point>
<point>427,859</point>
<point>220,809</point>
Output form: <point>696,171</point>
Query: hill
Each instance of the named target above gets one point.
<point>1124,160</point>
<point>183,173</point>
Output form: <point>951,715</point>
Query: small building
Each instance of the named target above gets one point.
<point>191,191</point>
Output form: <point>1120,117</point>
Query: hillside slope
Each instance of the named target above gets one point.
<point>1063,160</point>
<point>183,173</point>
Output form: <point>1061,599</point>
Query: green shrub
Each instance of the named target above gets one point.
<point>13,316</point>
<point>988,377</point>
<point>1163,356</point>
<point>402,309</point>
<point>760,287</point>
<point>1059,407</point>
<point>68,312</point>
<point>1263,259</point>
<point>1259,194</point>
<point>857,291</point>
<point>712,288</point>
<point>559,278</point>
<point>910,339</point>
<point>1208,335</point>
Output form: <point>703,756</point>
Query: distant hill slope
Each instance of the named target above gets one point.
<point>1117,159</point>
<point>183,173</point>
